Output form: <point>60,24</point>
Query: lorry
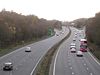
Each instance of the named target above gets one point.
<point>83,45</point>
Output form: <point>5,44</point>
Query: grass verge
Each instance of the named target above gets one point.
<point>44,65</point>
<point>95,50</point>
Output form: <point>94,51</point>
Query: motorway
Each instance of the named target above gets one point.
<point>67,63</point>
<point>25,63</point>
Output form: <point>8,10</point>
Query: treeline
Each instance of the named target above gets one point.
<point>93,29</point>
<point>93,34</point>
<point>17,28</point>
<point>79,23</point>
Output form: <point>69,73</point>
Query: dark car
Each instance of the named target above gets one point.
<point>8,66</point>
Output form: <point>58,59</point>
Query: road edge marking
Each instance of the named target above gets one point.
<point>55,60</point>
<point>35,66</point>
<point>94,58</point>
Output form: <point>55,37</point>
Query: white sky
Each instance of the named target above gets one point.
<point>65,10</point>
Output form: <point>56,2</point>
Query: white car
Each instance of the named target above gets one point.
<point>8,66</point>
<point>73,50</point>
<point>72,45</point>
<point>79,53</point>
<point>28,49</point>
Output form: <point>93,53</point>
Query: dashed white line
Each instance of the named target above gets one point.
<point>73,73</point>
<point>87,68</point>
<point>91,73</point>
<point>70,67</point>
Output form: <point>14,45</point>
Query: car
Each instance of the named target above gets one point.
<point>8,66</point>
<point>28,49</point>
<point>79,53</point>
<point>72,45</point>
<point>73,50</point>
<point>75,33</point>
<point>75,36</point>
<point>57,34</point>
<point>74,39</point>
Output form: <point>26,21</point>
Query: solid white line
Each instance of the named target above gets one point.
<point>55,62</point>
<point>94,58</point>
<point>35,66</point>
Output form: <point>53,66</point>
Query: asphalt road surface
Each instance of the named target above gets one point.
<point>67,63</point>
<point>24,63</point>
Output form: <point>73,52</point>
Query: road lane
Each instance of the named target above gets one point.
<point>25,62</point>
<point>68,63</point>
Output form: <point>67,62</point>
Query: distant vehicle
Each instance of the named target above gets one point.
<point>79,53</point>
<point>83,45</point>
<point>72,45</point>
<point>75,36</point>
<point>62,32</point>
<point>75,33</point>
<point>73,50</point>
<point>57,35</point>
<point>74,39</point>
<point>8,66</point>
<point>28,49</point>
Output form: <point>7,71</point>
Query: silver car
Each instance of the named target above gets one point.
<point>8,66</point>
<point>28,49</point>
<point>79,53</point>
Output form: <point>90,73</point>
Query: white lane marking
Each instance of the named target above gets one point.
<point>94,58</point>
<point>91,73</point>
<point>84,64</point>
<point>55,62</point>
<point>87,68</point>
<point>36,66</point>
<point>70,67</point>
<point>73,73</point>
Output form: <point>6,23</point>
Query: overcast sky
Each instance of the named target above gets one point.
<point>65,10</point>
